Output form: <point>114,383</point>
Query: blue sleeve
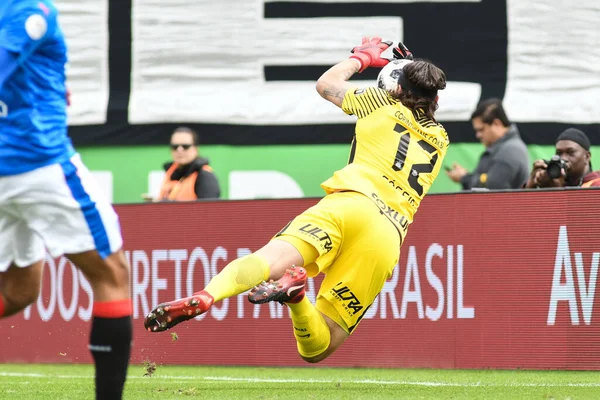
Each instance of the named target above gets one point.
<point>8,64</point>
<point>26,26</point>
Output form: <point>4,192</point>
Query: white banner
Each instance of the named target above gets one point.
<point>206,62</point>
<point>85,25</point>
<point>553,61</point>
<point>203,61</point>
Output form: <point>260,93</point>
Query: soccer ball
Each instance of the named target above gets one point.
<point>388,76</point>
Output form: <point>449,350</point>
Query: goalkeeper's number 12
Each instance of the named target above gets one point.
<point>399,161</point>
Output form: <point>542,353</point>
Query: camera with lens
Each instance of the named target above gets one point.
<point>554,167</point>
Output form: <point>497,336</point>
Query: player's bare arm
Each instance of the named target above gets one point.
<point>333,84</point>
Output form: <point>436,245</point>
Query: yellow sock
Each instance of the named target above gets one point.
<point>238,276</point>
<point>310,329</point>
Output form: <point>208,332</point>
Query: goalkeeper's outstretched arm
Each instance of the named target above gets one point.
<point>333,84</point>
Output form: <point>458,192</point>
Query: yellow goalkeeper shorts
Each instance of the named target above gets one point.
<point>358,250</point>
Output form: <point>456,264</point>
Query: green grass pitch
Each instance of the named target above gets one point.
<point>171,382</point>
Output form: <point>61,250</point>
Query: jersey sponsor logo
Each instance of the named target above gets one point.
<point>351,302</point>
<point>3,109</point>
<point>411,200</point>
<point>392,214</point>
<point>441,144</point>
<point>325,240</point>
<point>36,27</point>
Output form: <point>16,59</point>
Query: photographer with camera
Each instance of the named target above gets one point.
<point>570,166</point>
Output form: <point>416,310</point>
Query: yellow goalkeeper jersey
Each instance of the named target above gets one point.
<point>395,156</point>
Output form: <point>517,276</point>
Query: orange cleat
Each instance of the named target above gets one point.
<point>167,315</point>
<point>290,288</point>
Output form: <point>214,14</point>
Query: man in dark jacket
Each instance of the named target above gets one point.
<point>188,176</point>
<point>505,162</point>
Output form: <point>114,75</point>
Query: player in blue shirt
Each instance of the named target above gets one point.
<point>49,200</point>
<point>32,88</point>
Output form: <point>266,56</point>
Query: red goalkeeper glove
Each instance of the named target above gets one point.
<point>369,53</point>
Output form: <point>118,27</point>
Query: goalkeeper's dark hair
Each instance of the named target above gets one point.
<point>426,79</point>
